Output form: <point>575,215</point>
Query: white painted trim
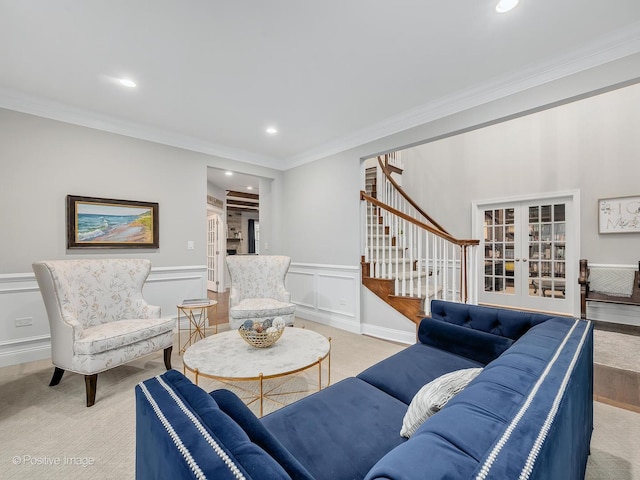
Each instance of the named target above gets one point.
<point>325,318</point>
<point>186,268</point>
<point>19,290</point>
<point>172,279</point>
<point>17,277</point>
<point>620,44</point>
<point>41,107</point>
<point>614,313</point>
<point>343,318</point>
<point>20,297</point>
<point>321,266</point>
<point>527,197</point>
<point>476,205</point>
<point>617,45</point>
<point>613,266</point>
<point>25,340</point>
<point>389,334</point>
<point>29,349</point>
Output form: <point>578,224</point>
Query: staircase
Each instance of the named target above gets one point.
<point>408,258</point>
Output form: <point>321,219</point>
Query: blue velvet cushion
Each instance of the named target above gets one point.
<point>255,461</point>
<point>490,428</point>
<point>406,372</point>
<point>240,413</point>
<point>172,442</point>
<point>498,321</point>
<point>559,414</point>
<point>475,344</point>
<point>340,432</point>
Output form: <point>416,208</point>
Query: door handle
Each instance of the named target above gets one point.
<point>524,259</point>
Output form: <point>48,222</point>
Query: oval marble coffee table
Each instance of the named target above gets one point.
<point>227,357</point>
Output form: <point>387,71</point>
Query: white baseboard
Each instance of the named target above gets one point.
<point>24,350</point>
<point>614,313</point>
<point>326,318</point>
<point>390,334</point>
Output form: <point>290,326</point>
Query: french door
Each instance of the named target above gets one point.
<point>215,280</point>
<point>529,254</point>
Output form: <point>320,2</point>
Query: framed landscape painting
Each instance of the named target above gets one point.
<point>107,223</point>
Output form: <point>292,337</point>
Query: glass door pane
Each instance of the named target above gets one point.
<point>499,238</point>
<point>547,243</point>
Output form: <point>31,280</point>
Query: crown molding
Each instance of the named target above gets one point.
<point>40,107</point>
<point>620,44</point>
<point>623,43</point>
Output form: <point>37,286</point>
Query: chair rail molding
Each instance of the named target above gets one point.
<point>327,294</point>
<point>612,312</point>
<point>22,304</point>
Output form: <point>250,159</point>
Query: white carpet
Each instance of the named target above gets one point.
<point>47,432</point>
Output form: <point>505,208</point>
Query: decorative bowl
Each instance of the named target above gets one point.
<point>261,334</point>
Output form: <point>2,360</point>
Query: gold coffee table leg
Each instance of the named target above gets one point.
<point>261,394</point>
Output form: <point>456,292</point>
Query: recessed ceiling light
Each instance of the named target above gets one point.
<point>249,187</point>
<point>504,6</point>
<point>272,130</point>
<point>228,174</point>
<point>127,82</point>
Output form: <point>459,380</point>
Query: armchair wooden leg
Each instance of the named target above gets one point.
<point>167,357</point>
<point>91,382</point>
<point>57,376</point>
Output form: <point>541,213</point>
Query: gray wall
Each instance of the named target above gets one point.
<point>590,145</point>
<point>42,161</point>
<point>321,206</point>
<point>321,199</point>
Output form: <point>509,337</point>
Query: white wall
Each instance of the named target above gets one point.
<point>310,212</point>
<point>321,211</point>
<point>321,199</point>
<point>590,145</point>
<point>42,161</point>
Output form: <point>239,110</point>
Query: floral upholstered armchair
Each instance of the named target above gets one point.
<point>98,318</point>
<point>257,288</point>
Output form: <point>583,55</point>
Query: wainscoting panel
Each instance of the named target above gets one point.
<point>168,286</point>
<point>327,294</point>
<point>24,326</point>
<point>614,313</point>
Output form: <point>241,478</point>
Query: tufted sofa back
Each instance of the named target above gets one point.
<point>498,321</point>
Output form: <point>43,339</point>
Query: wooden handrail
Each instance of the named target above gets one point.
<point>440,233</point>
<point>384,166</point>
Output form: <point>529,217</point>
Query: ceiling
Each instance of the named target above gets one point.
<point>237,182</point>
<point>330,75</point>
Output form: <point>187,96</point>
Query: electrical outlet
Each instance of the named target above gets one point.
<point>190,245</point>
<point>24,322</point>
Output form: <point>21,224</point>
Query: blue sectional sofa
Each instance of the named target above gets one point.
<point>527,415</point>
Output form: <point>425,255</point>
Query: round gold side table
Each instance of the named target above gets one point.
<point>197,317</point>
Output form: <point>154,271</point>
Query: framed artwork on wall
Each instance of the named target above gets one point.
<point>619,215</point>
<point>108,223</point>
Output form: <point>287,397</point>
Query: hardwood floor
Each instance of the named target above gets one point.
<point>219,314</point>
<point>616,369</point>
<point>617,387</point>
